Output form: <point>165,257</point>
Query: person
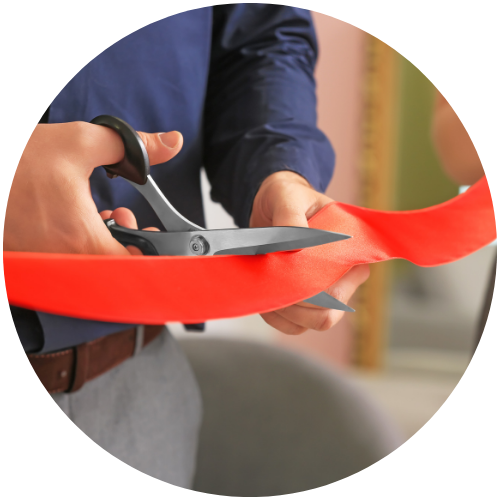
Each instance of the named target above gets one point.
<point>455,149</point>
<point>461,163</point>
<point>229,88</point>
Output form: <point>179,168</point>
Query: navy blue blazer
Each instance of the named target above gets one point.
<point>237,81</point>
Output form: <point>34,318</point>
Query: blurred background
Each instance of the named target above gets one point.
<point>415,329</point>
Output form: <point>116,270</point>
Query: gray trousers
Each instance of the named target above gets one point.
<point>146,412</point>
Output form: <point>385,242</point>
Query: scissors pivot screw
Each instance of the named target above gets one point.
<point>199,245</point>
<point>179,238</point>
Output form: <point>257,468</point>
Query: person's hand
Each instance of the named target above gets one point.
<point>50,207</point>
<point>287,199</point>
<point>454,147</point>
<point>125,218</point>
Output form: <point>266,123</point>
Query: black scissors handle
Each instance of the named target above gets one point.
<point>135,169</point>
<point>127,237</point>
<point>191,239</point>
<point>135,164</point>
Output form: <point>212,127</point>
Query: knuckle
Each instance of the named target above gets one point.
<point>268,318</point>
<point>341,293</point>
<point>365,272</point>
<point>146,139</point>
<point>80,128</point>
<point>287,328</point>
<point>84,138</point>
<point>87,132</point>
<point>325,321</point>
<point>294,329</point>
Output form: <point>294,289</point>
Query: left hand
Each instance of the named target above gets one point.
<point>287,199</point>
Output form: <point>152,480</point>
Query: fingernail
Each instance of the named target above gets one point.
<point>170,139</point>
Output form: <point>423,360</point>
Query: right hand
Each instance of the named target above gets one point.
<point>50,207</point>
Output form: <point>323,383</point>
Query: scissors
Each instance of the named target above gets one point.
<point>183,237</point>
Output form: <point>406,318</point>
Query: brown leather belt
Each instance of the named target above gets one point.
<point>68,370</point>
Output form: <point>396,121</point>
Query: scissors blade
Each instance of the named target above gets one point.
<point>169,216</point>
<point>253,241</point>
<point>262,240</point>
<point>323,299</point>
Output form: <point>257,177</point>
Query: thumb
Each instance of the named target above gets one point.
<point>163,146</point>
<point>103,146</point>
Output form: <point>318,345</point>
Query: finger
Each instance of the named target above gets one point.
<point>162,147</point>
<point>344,288</point>
<point>133,249</point>
<point>98,145</point>
<point>282,324</point>
<point>319,319</point>
<point>124,217</point>
<point>296,210</point>
<point>290,203</point>
<point>105,214</point>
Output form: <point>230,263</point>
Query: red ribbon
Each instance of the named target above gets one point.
<point>155,290</point>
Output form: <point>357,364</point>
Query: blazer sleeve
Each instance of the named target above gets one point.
<point>41,332</point>
<point>260,112</point>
